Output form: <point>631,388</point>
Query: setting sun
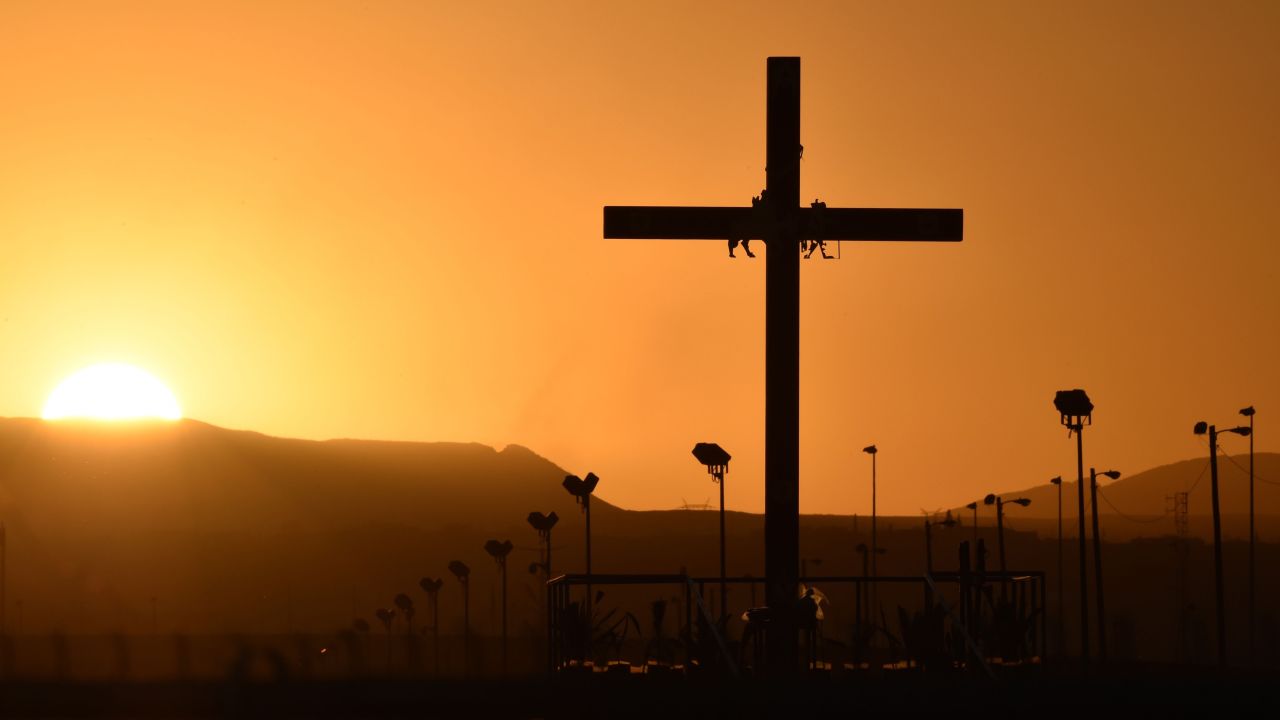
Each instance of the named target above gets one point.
<point>111,391</point>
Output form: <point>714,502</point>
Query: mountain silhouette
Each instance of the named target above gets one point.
<point>238,532</point>
<point>103,516</point>
<point>1136,505</point>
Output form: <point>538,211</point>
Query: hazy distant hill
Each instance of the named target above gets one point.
<point>190,476</point>
<point>1137,505</point>
<point>238,531</point>
<point>233,531</point>
<point>107,515</point>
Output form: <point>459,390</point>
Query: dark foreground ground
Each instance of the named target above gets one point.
<point>1144,690</point>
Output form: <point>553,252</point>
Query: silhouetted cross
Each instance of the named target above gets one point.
<point>780,222</point>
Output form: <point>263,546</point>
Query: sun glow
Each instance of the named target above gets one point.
<point>111,391</point>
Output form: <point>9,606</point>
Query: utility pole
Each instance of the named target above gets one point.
<point>1203,428</point>
<point>1062,629</point>
<point>871,597</point>
<point>1217,547</point>
<point>1248,412</point>
<point>1075,409</point>
<point>1097,559</point>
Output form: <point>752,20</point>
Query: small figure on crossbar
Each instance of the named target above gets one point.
<point>808,246</point>
<point>756,202</point>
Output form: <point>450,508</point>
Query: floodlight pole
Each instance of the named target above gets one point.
<point>873,516</point>
<point>586,506</point>
<point>1084,570</point>
<point>1217,546</point>
<point>724,600</point>
<point>716,461</point>
<point>871,596</point>
<point>1062,628</point>
<point>1249,412</point>
<point>1097,566</point>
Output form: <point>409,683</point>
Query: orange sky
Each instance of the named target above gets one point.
<point>383,220</point>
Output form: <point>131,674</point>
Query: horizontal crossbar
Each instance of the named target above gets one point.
<point>631,222</point>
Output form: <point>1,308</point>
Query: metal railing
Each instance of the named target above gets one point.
<point>946,620</point>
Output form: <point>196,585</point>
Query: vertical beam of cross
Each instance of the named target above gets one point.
<point>782,359</point>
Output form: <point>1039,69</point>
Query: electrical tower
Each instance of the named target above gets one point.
<point>686,505</point>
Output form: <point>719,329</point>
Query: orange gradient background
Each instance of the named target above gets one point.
<point>383,220</point>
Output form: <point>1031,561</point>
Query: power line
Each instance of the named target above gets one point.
<point>1129,517</point>
<point>1255,474</point>
<point>1198,477</point>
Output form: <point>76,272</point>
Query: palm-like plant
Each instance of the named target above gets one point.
<point>581,490</point>
<point>499,551</point>
<point>543,524</point>
<point>361,628</point>
<point>387,616</point>
<point>463,573</point>
<point>405,603</point>
<point>431,586</point>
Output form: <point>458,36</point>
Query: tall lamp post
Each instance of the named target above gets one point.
<point>993,499</point>
<point>974,507</point>
<point>1097,558</point>
<point>871,450</point>
<point>1076,410</point>
<point>1248,412</point>
<point>581,489</point>
<point>1062,632</point>
<point>717,462</point>
<point>1203,428</point>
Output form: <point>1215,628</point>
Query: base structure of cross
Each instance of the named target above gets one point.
<point>780,221</point>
